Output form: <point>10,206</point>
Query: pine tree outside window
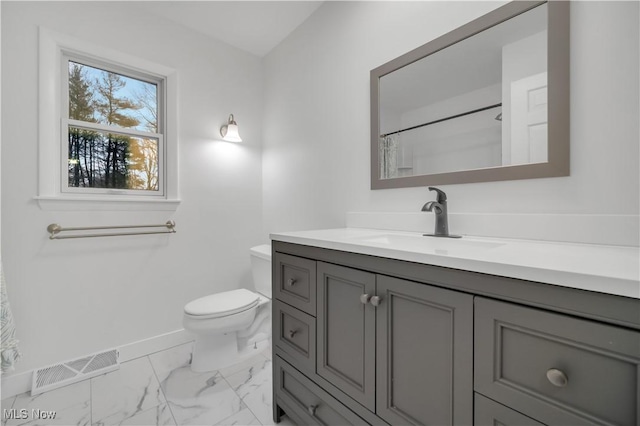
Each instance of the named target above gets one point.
<point>112,125</point>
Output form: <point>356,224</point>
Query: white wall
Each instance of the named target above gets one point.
<point>74,297</point>
<point>316,144</point>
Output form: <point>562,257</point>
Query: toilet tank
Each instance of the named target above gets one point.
<point>261,269</point>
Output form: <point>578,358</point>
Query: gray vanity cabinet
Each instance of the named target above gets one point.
<point>401,349</point>
<point>346,331</point>
<point>360,339</point>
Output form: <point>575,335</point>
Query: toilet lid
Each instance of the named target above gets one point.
<point>263,251</point>
<point>221,304</point>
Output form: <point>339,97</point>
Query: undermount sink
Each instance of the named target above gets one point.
<point>419,242</point>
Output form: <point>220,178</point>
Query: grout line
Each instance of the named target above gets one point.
<point>222,422</point>
<point>161,389</point>
<point>120,382</point>
<point>238,395</point>
<point>13,401</point>
<point>241,400</point>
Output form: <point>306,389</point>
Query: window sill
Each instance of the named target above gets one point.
<point>84,203</point>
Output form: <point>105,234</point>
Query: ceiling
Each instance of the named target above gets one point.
<point>253,26</point>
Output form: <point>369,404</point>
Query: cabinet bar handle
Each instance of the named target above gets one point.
<point>365,298</point>
<point>557,377</point>
<point>376,300</point>
<point>292,333</point>
<point>312,410</point>
<point>291,282</point>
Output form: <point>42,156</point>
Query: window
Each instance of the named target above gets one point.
<point>112,126</point>
<point>107,128</point>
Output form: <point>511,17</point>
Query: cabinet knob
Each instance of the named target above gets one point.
<point>365,298</point>
<point>557,377</point>
<point>312,410</point>
<point>292,333</point>
<point>291,282</point>
<point>376,300</point>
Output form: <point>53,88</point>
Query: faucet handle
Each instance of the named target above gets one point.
<point>442,197</point>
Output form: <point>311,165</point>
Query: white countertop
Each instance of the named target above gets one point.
<point>605,269</point>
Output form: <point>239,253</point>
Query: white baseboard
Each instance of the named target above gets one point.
<point>619,230</point>
<point>20,383</point>
<point>154,344</point>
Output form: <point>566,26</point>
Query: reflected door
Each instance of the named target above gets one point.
<point>529,120</point>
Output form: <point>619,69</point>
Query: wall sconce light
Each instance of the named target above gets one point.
<point>229,131</point>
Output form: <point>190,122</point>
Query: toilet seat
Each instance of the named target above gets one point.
<point>222,304</point>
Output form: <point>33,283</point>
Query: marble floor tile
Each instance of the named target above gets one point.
<point>268,352</point>
<point>164,362</point>
<point>254,386</point>
<point>250,364</point>
<point>284,421</point>
<point>6,404</point>
<point>159,416</point>
<point>71,405</point>
<point>160,389</point>
<point>124,393</point>
<point>200,398</point>
<point>242,418</point>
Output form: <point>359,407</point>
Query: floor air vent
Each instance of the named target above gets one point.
<point>64,373</point>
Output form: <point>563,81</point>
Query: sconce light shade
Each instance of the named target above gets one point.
<point>229,131</point>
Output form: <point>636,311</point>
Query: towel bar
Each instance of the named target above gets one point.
<point>54,229</point>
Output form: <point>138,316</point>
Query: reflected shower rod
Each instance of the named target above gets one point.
<point>441,120</point>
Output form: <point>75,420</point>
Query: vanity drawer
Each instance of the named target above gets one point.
<point>556,368</point>
<point>487,412</point>
<point>308,401</point>
<point>295,333</point>
<point>295,282</point>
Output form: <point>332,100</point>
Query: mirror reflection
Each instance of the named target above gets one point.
<point>479,103</point>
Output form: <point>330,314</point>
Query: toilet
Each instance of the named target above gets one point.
<point>232,325</point>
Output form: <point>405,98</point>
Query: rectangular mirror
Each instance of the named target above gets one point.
<point>488,101</point>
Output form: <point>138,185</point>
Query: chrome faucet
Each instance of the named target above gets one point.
<point>439,207</point>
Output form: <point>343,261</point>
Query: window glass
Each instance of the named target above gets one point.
<point>106,97</point>
<point>110,160</point>
<point>113,136</point>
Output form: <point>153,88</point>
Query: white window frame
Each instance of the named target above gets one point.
<point>55,49</point>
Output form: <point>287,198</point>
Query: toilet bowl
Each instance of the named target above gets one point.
<point>232,325</point>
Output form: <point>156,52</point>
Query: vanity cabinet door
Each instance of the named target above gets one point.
<point>424,354</point>
<point>346,331</point>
